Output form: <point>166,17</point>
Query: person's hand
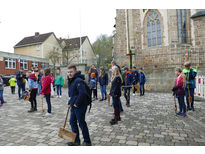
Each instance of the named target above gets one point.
<point>68,106</point>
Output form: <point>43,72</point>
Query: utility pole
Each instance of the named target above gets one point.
<point>81,53</point>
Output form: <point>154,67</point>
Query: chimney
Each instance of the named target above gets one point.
<point>36,34</point>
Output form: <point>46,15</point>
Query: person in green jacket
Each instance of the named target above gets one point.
<point>58,83</point>
<point>12,83</point>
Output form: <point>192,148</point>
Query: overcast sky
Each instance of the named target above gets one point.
<point>22,18</point>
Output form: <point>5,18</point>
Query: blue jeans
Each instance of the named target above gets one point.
<point>21,87</point>
<point>142,89</point>
<point>182,105</point>
<point>48,100</point>
<point>103,92</point>
<point>39,88</point>
<point>120,104</point>
<point>187,97</point>
<point>78,115</point>
<point>58,90</point>
<point>1,96</point>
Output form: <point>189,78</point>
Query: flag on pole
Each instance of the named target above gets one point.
<point>19,60</point>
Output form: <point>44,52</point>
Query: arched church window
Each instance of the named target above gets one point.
<point>182,22</point>
<point>154,35</point>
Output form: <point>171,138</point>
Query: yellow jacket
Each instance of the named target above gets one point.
<point>12,82</point>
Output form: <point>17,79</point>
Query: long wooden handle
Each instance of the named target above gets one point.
<point>175,105</point>
<point>66,118</point>
<point>190,98</point>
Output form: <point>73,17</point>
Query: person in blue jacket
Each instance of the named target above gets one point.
<point>190,74</point>
<point>78,103</point>
<point>127,85</point>
<point>142,80</point>
<point>103,80</point>
<point>20,77</point>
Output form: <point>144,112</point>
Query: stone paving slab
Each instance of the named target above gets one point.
<point>150,121</point>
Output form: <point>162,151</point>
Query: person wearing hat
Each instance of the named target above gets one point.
<point>93,86</point>
<point>190,74</point>
<point>127,84</point>
<point>12,83</point>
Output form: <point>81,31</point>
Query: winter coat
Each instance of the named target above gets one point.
<point>32,82</point>
<point>135,77</point>
<point>178,86</point>
<point>127,80</point>
<point>77,91</point>
<point>115,90</point>
<point>103,80</point>
<point>142,78</point>
<point>20,78</point>
<point>1,84</point>
<point>58,80</point>
<point>12,82</point>
<point>46,85</point>
<point>190,77</point>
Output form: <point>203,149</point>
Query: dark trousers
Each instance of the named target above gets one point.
<point>21,87</point>
<point>13,89</point>
<point>116,107</point>
<point>142,91</point>
<point>120,104</point>
<point>78,115</point>
<point>1,96</point>
<point>187,97</point>
<point>48,100</point>
<point>33,98</point>
<point>182,106</point>
<point>134,89</point>
<point>59,92</point>
<point>127,95</point>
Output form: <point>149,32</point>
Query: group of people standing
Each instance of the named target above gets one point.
<point>184,86</point>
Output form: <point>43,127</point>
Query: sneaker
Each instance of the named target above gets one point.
<point>133,94</point>
<point>57,96</point>
<point>183,115</point>
<point>101,100</point>
<point>87,144</point>
<point>73,144</point>
<point>179,113</point>
<point>47,114</point>
<point>60,96</point>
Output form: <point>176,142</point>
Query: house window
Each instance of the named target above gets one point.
<point>10,63</point>
<point>154,35</point>
<point>24,64</point>
<point>45,65</point>
<point>182,22</point>
<point>34,64</point>
<point>38,47</point>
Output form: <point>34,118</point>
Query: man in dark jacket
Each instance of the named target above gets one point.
<point>142,80</point>
<point>135,78</point>
<point>78,103</point>
<point>127,85</point>
<point>20,77</point>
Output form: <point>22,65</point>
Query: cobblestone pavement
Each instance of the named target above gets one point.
<point>149,121</point>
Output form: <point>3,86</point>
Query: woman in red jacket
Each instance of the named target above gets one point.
<point>179,91</point>
<point>46,89</point>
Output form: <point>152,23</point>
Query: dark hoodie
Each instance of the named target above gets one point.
<point>77,91</point>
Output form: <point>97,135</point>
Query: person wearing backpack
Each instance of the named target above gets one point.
<point>95,71</point>
<point>179,91</point>
<point>93,86</point>
<point>103,80</point>
<point>78,102</point>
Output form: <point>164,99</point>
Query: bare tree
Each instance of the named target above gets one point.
<point>54,57</point>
